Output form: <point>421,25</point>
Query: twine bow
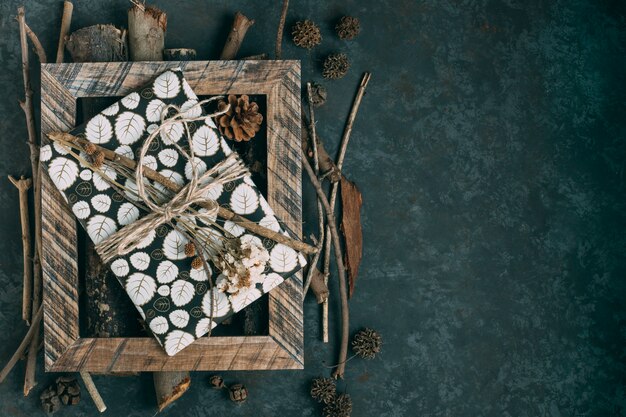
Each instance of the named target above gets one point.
<point>181,206</point>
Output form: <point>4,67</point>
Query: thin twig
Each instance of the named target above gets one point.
<point>223,212</point>
<point>345,313</point>
<point>320,212</point>
<point>335,187</point>
<point>66,22</point>
<point>36,44</point>
<point>34,329</point>
<point>27,107</point>
<point>93,391</point>
<point>23,184</point>
<point>281,27</point>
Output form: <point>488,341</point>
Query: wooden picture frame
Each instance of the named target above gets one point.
<point>65,350</point>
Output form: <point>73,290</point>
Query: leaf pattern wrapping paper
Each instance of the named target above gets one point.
<point>173,298</point>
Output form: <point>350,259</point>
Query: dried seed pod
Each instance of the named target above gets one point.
<point>341,406</point>
<point>97,159</point>
<point>318,94</point>
<point>306,34</point>
<point>196,263</point>
<point>238,393</point>
<point>336,66</point>
<point>323,390</point>
<point>50,402</point>
<point>190,249</point>
<point>217,382</point>
<point>348,27</point>
<point>367,343</point>
<point>90,148</point>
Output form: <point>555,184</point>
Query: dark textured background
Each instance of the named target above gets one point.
<point>490,151</point>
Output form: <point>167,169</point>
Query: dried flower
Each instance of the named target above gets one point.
<point>323,390</point>
<point>318,94</point>
<point>90,148</point>
<point>242,120</point>
<point>306,34</point>
<point>238,393</point>
<point>348,27</point>
<point>217,382</point>
<point>340,407</point>
<point>242,265</point>
<point>190,249</point>
<point>336,66</point>
<point>367,343</point>
<point>97,159</point>
<point>197,263</point>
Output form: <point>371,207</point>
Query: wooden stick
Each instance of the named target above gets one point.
<point>241,24</point>
<point>345,312</point>
<point>320,212</point>
<point>179,54</point>
<point>93,391</point>
<point>146,33</point>
<point>36,44</point>
<point>257,57</point>
<point>328,168</point>
<point>32,330</point>
<point>23,184</point>
<point>66,21</point>
<point>333,193</point>
<point>170,386</point>
<point>281,27</point>
<point>27,107</point>
<point>223,212</point>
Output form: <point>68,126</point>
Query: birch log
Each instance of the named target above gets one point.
<point>146,33</point>
<point>241,24</point>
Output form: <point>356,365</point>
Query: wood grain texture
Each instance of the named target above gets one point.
<point>62,84</point>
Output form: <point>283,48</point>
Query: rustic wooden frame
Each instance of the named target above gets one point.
<point>65,350</point>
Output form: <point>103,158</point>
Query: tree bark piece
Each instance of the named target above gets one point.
<point>146,33</point>
<point>351,202</point>
<point>170,386</point>
<point>241,24</point>
<point>93,391</point>
<point>281,27</point>
<point>23,184</point>
<point>98,43</point>
<point>33,143</point>
<point>328,169</point>
<point>66,21</point>
<point>318,286</point>
<point>179,54</point>
<point>26,342</point>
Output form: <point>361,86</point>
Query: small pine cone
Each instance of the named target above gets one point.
<point>323,390</point>
<point>348,27</point>
<point>340,407</point>
<point>217,382</point>
<point>367,343</point>
<point>318,94</point>
<point>336,66</point>
<point>238,393</point>
<point>97,159</point>
<point>50,401</point>
<point>90,148</point>
<point>306,34</point>
<point>242,120</point>
<point>68,390</point>
<point>196,263</point>
<point>190,249</point>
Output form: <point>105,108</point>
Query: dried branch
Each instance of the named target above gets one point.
<point>36,44</point>
<point>281,27</point>
<point>333,193</point>
<point>27,107</point>
<point>345,313</point>
<point>66,21</point>
<point>34,329</point>
<point>241,24</point>
<point>93,391</point>
<point>223,212</point>
<point>23,184</point>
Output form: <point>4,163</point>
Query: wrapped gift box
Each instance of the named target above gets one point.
<point>173,297</point>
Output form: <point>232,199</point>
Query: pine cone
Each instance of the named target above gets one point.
<point>323,390</point>
<point>318,94</point>
<point>306,34</point>
<point>50,401</point>
<point>348,27</point>
<point>238,393</point>
<point>367,343</point>
<point>336,66</point>
<point>190,249</point>
<point>242,120</point>
<point>196,263</point>
<point>68,390</point>
<point>340,407</point>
